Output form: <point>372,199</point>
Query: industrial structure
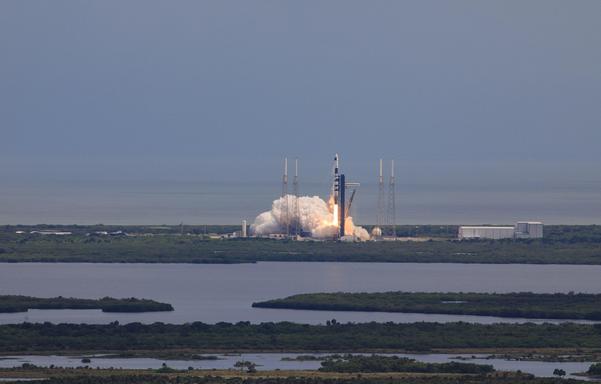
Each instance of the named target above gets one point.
<point>244,227</point>
<point>302,217</point>
<point>392,202</point>
<point>285,214</point>
<point>482,232</point>
<point>522,230</point>
<point>529,230</point>
<point>312,218</point>
<point>386,212</point>
<point>376,232</point>
<point>296,210</point>
<point>341,208</point>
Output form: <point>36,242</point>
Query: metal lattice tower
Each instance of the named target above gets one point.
<point>285,214</point>
<point>392,201</point>
<point>381,197</point>
<point>297,223</point>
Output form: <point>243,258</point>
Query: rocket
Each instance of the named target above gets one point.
<point>338,191</point>
<point>336,164</point>
<point>336,183</point>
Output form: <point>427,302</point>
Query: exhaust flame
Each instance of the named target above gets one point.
<point>335,215</point>
<point>315,216</point>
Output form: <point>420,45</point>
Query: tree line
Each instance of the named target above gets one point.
<point>336,337</point>
<point>376,363</point>
<point>522,304</point>
<point>17,303</point>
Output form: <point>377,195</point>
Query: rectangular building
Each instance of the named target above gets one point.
<point>529,230</point>
<point>481,232</point>
<point>522,230</point>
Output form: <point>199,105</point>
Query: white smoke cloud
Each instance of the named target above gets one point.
<point>314,216</point>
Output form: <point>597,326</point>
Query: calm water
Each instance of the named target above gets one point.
<point>160,202</point>
<point>213,293</point>
<point>272,361</point>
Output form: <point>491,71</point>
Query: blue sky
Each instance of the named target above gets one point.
<point>215,90</point>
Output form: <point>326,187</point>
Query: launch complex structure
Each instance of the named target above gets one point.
<point>339,186</point>
<point>341,206</point>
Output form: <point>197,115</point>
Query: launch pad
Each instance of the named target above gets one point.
<point>313,217</point>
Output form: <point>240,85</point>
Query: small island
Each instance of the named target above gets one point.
<point>519,305</point>
<point>15,303</point>
<point>594,371</point>
<point>376,363</point>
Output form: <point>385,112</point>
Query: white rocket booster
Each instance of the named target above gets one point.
<point>336,182</point>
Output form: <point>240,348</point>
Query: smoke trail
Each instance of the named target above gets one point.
<point>315,216</point>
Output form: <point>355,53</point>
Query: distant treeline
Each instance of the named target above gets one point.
<point>9,303</point>
<point>193,377</point>
<point>552,233</point>
<point>162,244</point>
<point>525,304</point>
<point>375,363</point>
<point>243,336</point>
<point>572,245</point>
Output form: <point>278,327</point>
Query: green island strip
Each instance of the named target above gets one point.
<point>166,244</point>
<point>292,337</point>
<point>579,306</point>
<point>594,371</point>
<point>14,303</point>
<point>168,375</point>
<point>375,363</point>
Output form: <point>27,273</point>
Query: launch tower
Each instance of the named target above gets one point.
<point>392,201</point>
<point>285,213</point>
<point>339,186</point>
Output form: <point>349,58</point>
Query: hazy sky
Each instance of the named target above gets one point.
<point>223,89</point>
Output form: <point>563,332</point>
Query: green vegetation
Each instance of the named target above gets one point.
<point>554,356</point>
<point>183,379</point>
<point>374,363</point>
<point>163,355</point>
<point>525,304</point>
<point>595,370</point>
<point>243,336</point>
<point>96,230</point>
<point>562,245</point>
<point>308,358</point>
<point>559,372</point>
<point>109,376</point>
<point>106,304</point>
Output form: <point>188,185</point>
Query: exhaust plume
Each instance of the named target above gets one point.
<point>315,216</point>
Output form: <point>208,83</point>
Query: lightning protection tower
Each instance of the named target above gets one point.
<point>285,214</point>
<point>392,201</point>
<point>381,197</point>
<point>296,206</point>
<point>295,203</point>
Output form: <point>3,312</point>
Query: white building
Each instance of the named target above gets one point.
<point>529,230</point>
<point>495,233</point>
<point>522,230</point>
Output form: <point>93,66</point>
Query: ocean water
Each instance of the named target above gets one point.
<point>172,202</point>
